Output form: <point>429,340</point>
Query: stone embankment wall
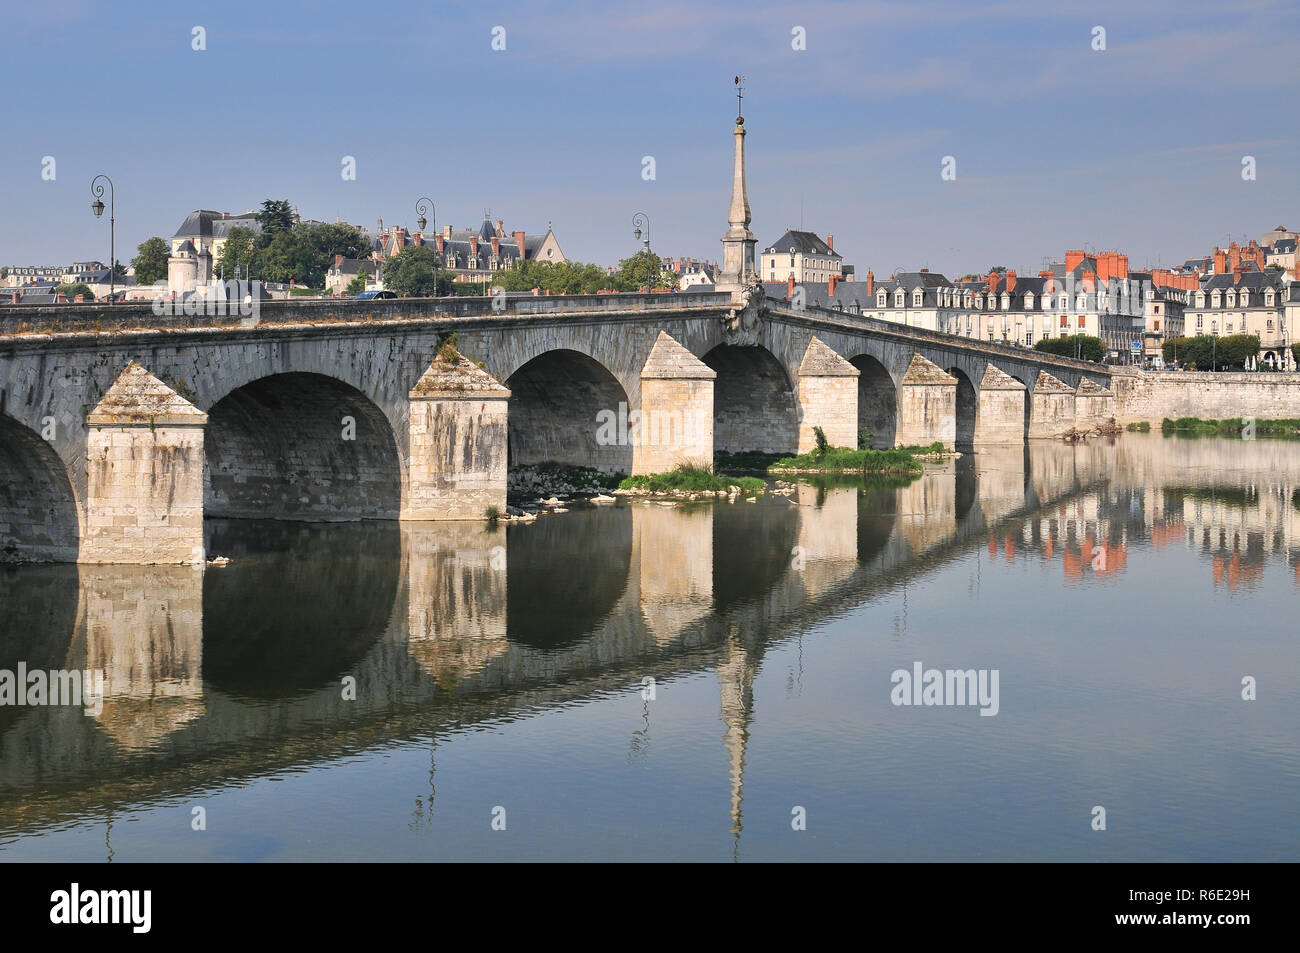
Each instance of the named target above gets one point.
<point>1152,397</point>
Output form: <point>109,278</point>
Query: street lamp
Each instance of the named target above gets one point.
<point>641,220</point>
<point>97,207</point>
<point>425,206</point>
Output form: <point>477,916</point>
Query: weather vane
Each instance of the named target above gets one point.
<point>740,94</point>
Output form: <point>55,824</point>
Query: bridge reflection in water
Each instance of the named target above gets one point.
<point>214,678</point>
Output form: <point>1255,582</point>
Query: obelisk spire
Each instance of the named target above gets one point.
<point>738,244</point>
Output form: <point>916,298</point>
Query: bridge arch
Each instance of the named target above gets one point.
<point>753,401</point>
<point>38,510</point>
<point>1029,402</point>
<point>877,401</point>
<point>559,401</point>
<point>967,410</point>
<point>300,446</point>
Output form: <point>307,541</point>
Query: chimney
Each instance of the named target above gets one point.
<point>789,286</point>
<point>925,271</point>
<point>519,240</point>
<point>1121,266</point>
<point>338,260</point>
<point>438,240</point>
<point>473,245</point>
<point>1234,257</point>
<point>496,247</point>
<point>1011,280</point>
<point>446,233</point>
<point>871,282</point>
<point>830,242</point>
<point>1236,272</point>
<point>1220,261</point>
<point>992,280</point>
<point>1073,257</point>
<point>831,288</point>
<point>1104,264</point>
<point>501,228</point>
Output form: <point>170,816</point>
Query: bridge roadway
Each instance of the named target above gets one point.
<point>120,430</point>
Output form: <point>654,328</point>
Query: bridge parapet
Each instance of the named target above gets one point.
<point>29,319</point>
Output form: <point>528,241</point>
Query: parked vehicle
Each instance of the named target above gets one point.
<point>372,295</point>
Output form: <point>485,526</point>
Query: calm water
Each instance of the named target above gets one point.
<point>1121,590</point>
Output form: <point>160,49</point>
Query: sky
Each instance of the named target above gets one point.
<point>1137,147</point>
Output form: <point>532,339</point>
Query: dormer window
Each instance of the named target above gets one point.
<point>898,298</point>
<point>1029,301</point>
<point>881,299</point>
<point>1268,299</point>
<point>1083,302</point>
<point>1065,302</point>
<point>1232,299</point>
<point>1215,300</point>
<point>1200,299</point>
<point>1245,299</point>
<point>1006,301</point>
<point>979,302</point>
<point>916,298</point>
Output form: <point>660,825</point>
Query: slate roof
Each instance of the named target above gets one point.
<point>205,223</point>
<point>805,242</point>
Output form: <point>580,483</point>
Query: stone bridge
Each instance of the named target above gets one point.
<point>120,429</point>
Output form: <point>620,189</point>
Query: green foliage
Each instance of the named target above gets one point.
<point>1142,426</point>
<point>240,249</point>
<point>634,273</point>
<point>416,271</point>
<point>4,272</point>
<point>558,278</point>
<point>842,459</point>
<point>492,514</point>
<point>692,478</point>
<point>823,444</point>
<point>72,289</point>
<point>1295,352</point>
<point>1205,351</point>
<point>275,216</point>
<point>864,440</point>
<point>357,284</point>
<point>119,269</point>
<point>1082,346</point>
<point>150,261</point>
<point>448,350</point>
<point>1231,427</point>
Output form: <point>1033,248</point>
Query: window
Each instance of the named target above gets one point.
<point>1083,322</point>
<point>1214,300</point>
<point>1065,301</point>
<point>1245,299</point>
<point>1232,299</point>
<point>1200,321</point>
<point>1200,299</point>
<point>1006,301</point>
<point>880,299</point>
<point>1157,325</point>
<point>1029,339</point>
<point>1268,299</point>
<point>1269,324</point>
<point>916,298</point>
<point>1029,301</point>
<point>898,298</point>
<point>1065,321</point>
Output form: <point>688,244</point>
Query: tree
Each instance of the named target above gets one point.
<point>415,271</point>
<point>71,290</point>
<point>119,269</point>
<point>150,262</point>
<point>1083,346</point>
<point>4,272</point>
<point>276,216</point>
<point>1295,353</point>
<point>240,249</point>
<point>357,284</point>
<point>1000,269</point>
<point>1212,353</point>
<point>641,271</point>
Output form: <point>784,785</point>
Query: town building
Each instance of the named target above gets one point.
<point>475,254</point>
<point>803,255</point>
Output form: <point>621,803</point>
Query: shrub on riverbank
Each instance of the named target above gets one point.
<point>1141,426</point>
<point>691,478</point>
<point>841,459</point>
<point>1231,427</point>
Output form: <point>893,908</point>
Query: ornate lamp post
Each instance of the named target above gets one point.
<point>97,207</point>
<point>641,220</point>
<point>422,207</point>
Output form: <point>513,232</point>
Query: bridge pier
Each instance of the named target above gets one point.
<point>676,422</point>
<point>1051,410</point>
<point>1093,404</point>
<point>1000,419</point>
<point>927,406</point>
<point>458,437</point>
<point>828,398</point>
<point>144,455</point>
